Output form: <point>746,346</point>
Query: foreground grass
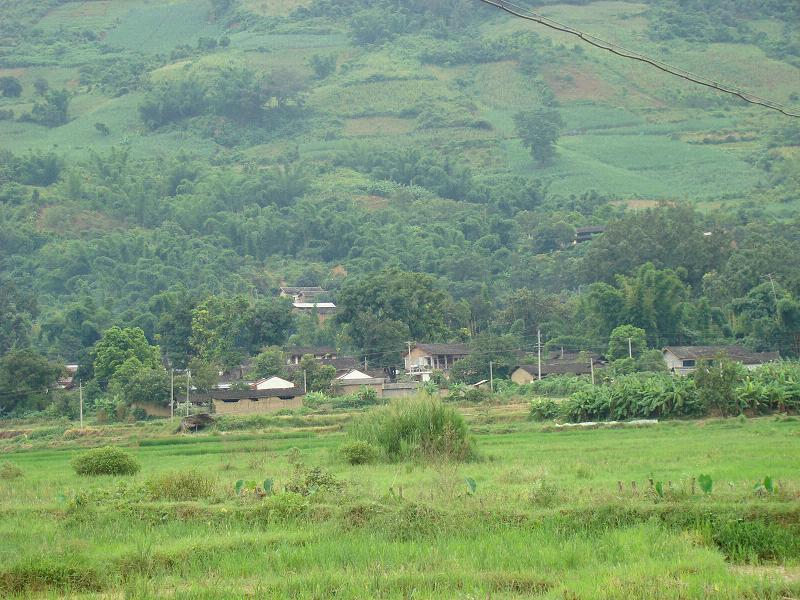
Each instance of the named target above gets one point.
<point>547,519</point>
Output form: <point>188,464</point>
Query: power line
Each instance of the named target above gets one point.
<point>527,14</point>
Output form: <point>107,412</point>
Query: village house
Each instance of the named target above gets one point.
<point>250,402</point>
<point>558,363</point>
<point>422,359</point>
<point>354,380</point>
<point>684,359</point>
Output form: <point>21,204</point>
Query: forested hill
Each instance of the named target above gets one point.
<point>165,162</point>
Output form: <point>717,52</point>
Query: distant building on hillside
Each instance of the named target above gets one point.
<point>324,310</point>
<point>302,294</point>
<point>584,234</point>
<point>684,359</point>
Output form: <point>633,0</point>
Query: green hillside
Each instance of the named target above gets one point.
<point>161,153</point>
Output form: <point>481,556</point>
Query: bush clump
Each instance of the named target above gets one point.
<point>359,452</point>
<point>420,428</point>
<point>180,485</point>
<point>109,460</point>
<point>9,470</point>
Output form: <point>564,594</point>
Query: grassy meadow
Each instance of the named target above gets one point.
<point>547,517</point>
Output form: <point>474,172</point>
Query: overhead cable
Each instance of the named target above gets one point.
<point>527,14</point>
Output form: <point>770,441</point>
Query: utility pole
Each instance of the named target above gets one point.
<point>365,362</point>
<point>171,392</point>
<point>80,392</point>
<point>591,368</point>
<point>408,358</point>
<point>491,376</point>
<point>774,294</point>
<point>630,349</point>
<point>539,350</point>
<point>305,381</point>
<point>188,375</point>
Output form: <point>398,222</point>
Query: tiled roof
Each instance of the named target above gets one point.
<point>453,349</point>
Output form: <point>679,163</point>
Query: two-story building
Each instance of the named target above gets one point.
<point>422,359</point>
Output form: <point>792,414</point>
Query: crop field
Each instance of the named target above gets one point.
<point>541,512</point>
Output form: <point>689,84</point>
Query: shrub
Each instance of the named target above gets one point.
<point>421,428</point>
<point>10,471</point>
<point>180,485</point>
<point>105,461</point>
<point>359,452</point>
<point>559,386</point>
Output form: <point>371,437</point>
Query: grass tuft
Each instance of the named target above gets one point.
<point>420,429</point>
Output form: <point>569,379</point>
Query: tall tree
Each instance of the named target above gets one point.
<point>412,300</point>
<point>17,311</point>
<point>25,379</point>
<point>119,345</point>
<point>539,130</point>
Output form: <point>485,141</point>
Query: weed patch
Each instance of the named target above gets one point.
<point>40,577</point>
<point>180,486</point>
<point>9,470</point>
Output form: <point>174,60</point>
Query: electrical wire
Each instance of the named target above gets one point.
<point>527,14</point>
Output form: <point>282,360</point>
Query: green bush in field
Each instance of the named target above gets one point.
<point>180,485</point>
<point>9,470</point>
<point>419,428</point>
<point>105,461</point>
<point>545,409</point>
<point>359,452</point>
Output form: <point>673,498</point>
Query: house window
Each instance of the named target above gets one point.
<point>688,363</point>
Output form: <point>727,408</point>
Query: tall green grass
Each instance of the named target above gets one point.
<point>417,428</point>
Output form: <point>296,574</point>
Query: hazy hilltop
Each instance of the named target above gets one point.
<point>159,149</point>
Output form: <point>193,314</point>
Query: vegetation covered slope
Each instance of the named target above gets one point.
<point>156,154</point>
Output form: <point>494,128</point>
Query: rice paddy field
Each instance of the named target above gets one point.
<point>542,512</point>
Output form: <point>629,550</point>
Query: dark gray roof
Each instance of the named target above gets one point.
<point>561,368</point>
<point>314,351</point>
<point>737,353</point>
<point>454,349</point>
<point>340,363</point>
<point>591,229</point>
